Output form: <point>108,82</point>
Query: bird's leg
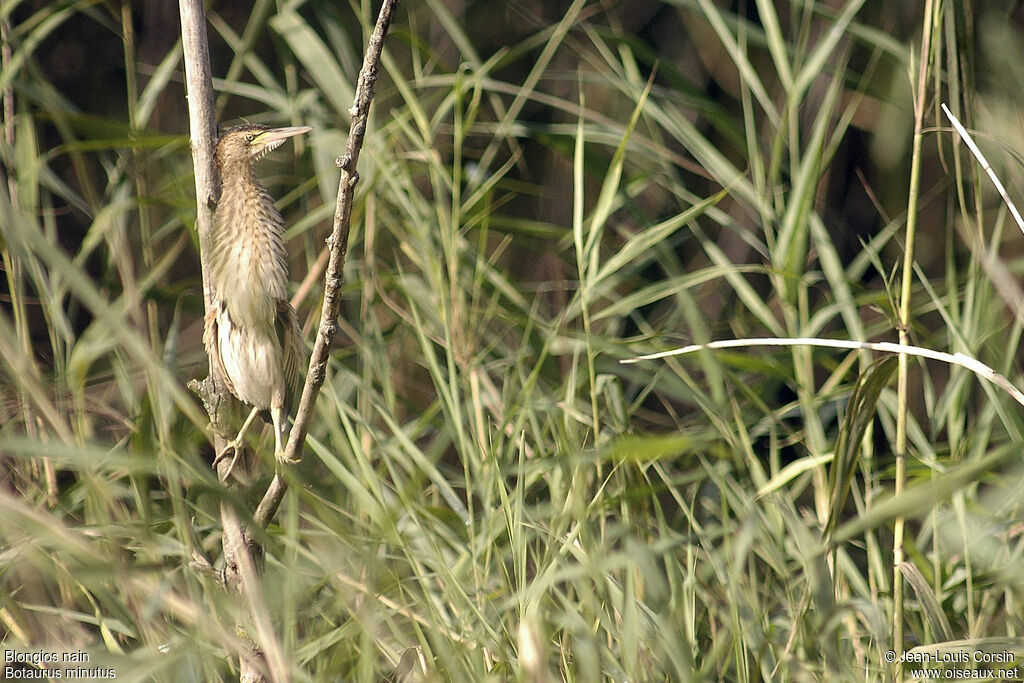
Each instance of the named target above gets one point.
<point>235,445</point>
<point>278,416</point>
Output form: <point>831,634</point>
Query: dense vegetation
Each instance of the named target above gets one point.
<point>546,189</point>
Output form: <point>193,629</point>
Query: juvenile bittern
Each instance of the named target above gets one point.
<point>252,334</point>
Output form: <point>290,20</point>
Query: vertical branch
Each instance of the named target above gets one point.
<point>202,127</point>
<point>219,403</point>
<point>338,247</point>
<point>242,557</point>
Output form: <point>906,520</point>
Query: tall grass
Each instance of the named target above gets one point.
<point>487,493</point>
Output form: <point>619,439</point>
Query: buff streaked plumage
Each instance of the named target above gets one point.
<point>252,333</point>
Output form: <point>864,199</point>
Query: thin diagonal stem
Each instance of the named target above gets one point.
<point>338,246</point>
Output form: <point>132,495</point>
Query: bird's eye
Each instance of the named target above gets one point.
<point>250,137</point>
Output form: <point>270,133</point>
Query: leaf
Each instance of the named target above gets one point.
<point>643,241</point>
<point>648,447</point>
<point>860,412</point>
<point>929,603</point>
<point>923,496</point>
<point>318,60</point>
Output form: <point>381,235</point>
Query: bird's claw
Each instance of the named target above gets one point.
<point>282,458</point>
<point>236,450</point>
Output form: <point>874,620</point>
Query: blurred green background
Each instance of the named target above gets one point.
<point>546,188</point>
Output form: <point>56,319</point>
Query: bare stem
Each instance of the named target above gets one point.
<point>240,567</point>
<point>338,247</point>
<point>903,396</point>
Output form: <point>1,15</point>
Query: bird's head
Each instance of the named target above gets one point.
<point>245,144</point>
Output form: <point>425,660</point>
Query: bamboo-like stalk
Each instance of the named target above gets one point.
<point>904,326</point>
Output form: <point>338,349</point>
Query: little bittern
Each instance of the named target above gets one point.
<point>252,334</point>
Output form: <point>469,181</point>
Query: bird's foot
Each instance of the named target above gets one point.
<point>235,450</point>
<point>282,457</point>
<point>235,446</point>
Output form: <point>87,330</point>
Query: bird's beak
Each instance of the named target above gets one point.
<point>269,140</point>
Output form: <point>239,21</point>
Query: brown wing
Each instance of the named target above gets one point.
<point>292,350</point>
<point>210,336</point>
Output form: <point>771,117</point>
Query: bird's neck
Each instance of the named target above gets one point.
<point>241,184</point>
<point>241,173</point>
